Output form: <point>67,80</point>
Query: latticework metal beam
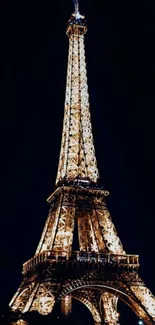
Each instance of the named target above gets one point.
<point>66,305</point>
<point>77,155</point>
<point>100,265</point>
<point>109,308</point>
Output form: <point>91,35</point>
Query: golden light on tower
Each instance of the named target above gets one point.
<point>66,305</point>
<point>99,272</point>
<point>77,155</point>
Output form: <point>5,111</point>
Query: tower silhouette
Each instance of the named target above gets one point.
<point>80,255</point>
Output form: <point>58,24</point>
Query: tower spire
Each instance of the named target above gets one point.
<point>77,156</point>
<point>76,4</point>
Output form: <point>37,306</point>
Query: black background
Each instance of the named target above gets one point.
<point>121,72</point>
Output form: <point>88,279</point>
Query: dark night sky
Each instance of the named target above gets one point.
<point>121,70</point>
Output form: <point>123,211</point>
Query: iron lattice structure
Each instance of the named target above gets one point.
<point>99,272</point>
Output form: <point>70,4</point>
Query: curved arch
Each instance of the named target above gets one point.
<point>92,308</point>
<point>131,300</point>
<point>20,300</point>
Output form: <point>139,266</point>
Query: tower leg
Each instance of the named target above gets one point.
<point>109,308</point>
<point>37,298</point>
<point>66,305</point>
<point>143,301</point>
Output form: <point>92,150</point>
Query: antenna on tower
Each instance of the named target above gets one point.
<point>76,17</point>
<point>76,5</point>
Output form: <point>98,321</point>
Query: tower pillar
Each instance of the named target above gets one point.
<point>66,305</point>
<point>109,308</point>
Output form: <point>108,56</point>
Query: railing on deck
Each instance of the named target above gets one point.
<point>79,256</point>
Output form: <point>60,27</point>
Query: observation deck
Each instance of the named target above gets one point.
<point>90,259</point>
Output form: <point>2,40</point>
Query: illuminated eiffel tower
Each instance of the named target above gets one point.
<point>99,272</point>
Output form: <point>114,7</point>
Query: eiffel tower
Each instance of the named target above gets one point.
<point>99,272</point>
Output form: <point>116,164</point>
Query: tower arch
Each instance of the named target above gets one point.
<point>123,293</point>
